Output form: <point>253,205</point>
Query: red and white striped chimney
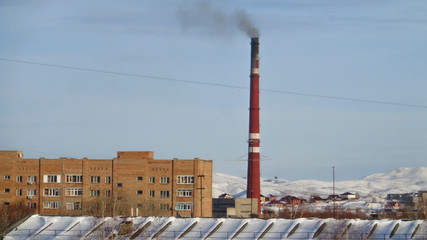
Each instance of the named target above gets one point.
<point>254,188</point>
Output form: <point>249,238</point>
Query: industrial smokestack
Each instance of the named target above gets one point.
<point>253,187</point>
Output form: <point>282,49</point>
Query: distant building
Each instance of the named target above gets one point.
<point>270,197</point>
<point>334,198</point>
<point>348,196</point>
<point>225,195</point>
<point>317,199</point>
<point>291,200</point>
<point>409,200</point>
<point>68,186</point>
<point>234,207</point>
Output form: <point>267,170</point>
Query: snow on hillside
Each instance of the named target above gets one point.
<point>399,180</point>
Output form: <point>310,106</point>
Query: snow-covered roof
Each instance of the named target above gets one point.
<point>54,227</point>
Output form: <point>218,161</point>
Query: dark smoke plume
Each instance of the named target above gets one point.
<point>205,17</point>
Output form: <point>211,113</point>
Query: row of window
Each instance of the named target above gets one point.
<point>30,179</point>
<point>56,192</point>
<point>30,192</point>
<point>182,206</point>
<point>78,178</point>
<point>31,205</point>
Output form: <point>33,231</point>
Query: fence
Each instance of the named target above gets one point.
<point>194,234</point>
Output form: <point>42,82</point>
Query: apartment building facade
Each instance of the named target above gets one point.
<point>131,182</point>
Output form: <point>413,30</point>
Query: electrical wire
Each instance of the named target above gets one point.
<point>213,84</point>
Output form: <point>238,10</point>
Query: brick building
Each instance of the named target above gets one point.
<point>68,186</point>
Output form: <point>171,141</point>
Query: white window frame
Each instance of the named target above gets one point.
<point>52,178</point>
<point>164,180</point>
<point>164,206</point>
<point>152,193</point>
<point>51,205</point>
<point>19,179</point>
<point>7,177</point>
<point>95,193</point>
<point>95,179</point>
<point>74,178</point>
<point>31,192</point>
<point>152,180</point>
<point>107,193</point>
<point>184,206</point>
<point>139,178</point>
<point>73,205</point>
<point>52,192</point>
<point>185,179</point>
<point>18,192</point>
<point>185,192</point>
<point>108,179</point>
<point>31,179</point>
<point>164,194</point>
<point>73,192</point>
<point>31,205</point>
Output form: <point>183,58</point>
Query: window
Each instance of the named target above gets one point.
<point>31,205</point>
<point>7,178</point>
<point>184,206</point>
<point>164,180</point>
<point>139,192</point>
<point>7,190</point>
<point>31,179</point>
<point>18,192</point>
<point>164,194</point>
<point>18,178</point>
<point>52,192</point>
<point>94,193</point>
<point>74,178</point>
<point>95,179</point>
<point>6,203</point>
<point>94,205</point>
<point>107,193</point>
<point>73,192</point>
<point>185,179</point>
<point>108,179</point>
<point>31,192</point>
<point>139,178</point>
<point>185,192</point>
<point>52,178</point>
<point>139,205</point>
<point>51,205</point>
<point>73,205</point>
<point>151,193</point>
<point>119,184</point>
<point>164,206</point>
<point>152,179</point>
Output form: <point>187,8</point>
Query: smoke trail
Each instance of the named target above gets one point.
<point>244,24</point>
<point>205,17</point>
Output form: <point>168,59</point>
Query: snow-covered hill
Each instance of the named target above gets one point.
<point>400,180</point>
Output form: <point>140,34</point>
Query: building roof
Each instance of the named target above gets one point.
<point>49,227</point>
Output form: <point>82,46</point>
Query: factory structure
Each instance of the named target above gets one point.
<point>254,188</point>
<point>133,181</point>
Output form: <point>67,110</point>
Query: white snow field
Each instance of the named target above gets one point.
<point>401,180</point>
<point>49,227</point>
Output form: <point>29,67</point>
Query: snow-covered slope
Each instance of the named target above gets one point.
<point>400,180</point>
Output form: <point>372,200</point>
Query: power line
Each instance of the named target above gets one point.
<point>212,84</point>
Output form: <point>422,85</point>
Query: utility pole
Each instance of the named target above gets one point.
<point>333,190</point>
<point>201,188</point>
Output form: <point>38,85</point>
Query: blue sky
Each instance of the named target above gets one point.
<point>372,50</point>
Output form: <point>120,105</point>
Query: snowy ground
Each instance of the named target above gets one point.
<point>401,180</point>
